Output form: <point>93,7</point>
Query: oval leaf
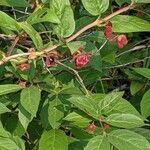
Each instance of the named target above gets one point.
<point>43,15</point>
<point>143,71</point>
<point>16,3</point>
<point>145,104</point>
<point>98,143</point>
<point>127,140</point>
<point>96,7</point>
<point>8,22</point>
<point>55,113</point>
<point>124,120</point>
<point>126,24</point>
<point>34,35</point>
<point>54,140</point>
<point>65,14</point>
<point>29,102</point>
<point>9,88</point>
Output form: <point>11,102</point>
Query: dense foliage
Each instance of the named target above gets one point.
<point>74,75</point>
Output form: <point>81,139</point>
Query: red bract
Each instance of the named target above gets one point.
<point>91,127</point>
<point>81,60</point>
<point>50,61</point>
<point>122,41</point>
<point>24,67</point>
<point>108,30</point>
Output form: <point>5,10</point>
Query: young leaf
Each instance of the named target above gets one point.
<point>16,3</point>
<point>143,71</point>
<point>96,7</point>
<point>145,104</point>
<point>34,35</point>
<point>65,14</point>
<point>75,46</point>
<point>9,88</point>
<point>54,140</point>
<point>98,143</point>
<point>126,24</point>
<point>55,113</point>
<point>8,22</point>
<point>127,140</point>
<point>124,120</point>
<point>43,15</point>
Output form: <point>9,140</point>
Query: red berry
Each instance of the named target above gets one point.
<point>122,40</point>
<point>24,67</point>
<point>81,60</point>
<point>91,128</point>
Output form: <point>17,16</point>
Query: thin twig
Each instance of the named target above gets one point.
<point>77,75</point>
<point>12,46</point>
<point>127,64</point>
<point>133,49</point>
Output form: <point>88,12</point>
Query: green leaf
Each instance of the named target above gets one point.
<point>65,14</point>
<point>75,46</point>
<point>135,87</point>
<point>143,71</point>
<point>98,143</point>
<point>144,132</point>
<point>55,113</point>
<point>43,15</point>
<point>34,35</point>
<point>9,88</point>
<point>86,104</point>
<point>3,108</point>
<point>127,140</point>
<point>124,120</point>
<point>54,140</point>
<point>96,7</point>
<point>121,2</point>
<point>96,62</point>
<point>145,104</point>
<point>126,24</point>
<point>141,1</point>
<point>16,3</point>
<point>77,120</point>
<point>29,102</point>
<point>122,106</point>
<point>8,22</point>
<point>109,101</point>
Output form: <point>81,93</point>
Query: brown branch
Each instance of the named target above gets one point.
<point>12,46</point>
<point>71,38</point>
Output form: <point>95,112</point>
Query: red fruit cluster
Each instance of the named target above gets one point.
<point>81,60</point>
<point>91,127</point>
<point>121,40</point>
